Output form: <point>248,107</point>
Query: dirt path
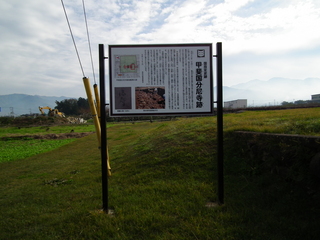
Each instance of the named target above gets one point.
<point>48,136</point>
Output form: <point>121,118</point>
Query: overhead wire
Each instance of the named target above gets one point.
<point>85,17</point>
<point>74,43</point>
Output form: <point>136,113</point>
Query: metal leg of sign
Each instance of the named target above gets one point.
<point>103,130</point>
<point>220,125</point>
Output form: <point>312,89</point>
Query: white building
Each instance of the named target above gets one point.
<point>315,97</point>
<point>239,103</point>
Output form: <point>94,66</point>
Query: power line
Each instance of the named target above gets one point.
<point>74,43</point>
<point>85,17</point>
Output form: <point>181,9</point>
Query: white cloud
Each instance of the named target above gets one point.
<point>258,37</point>
<point>281,29</point>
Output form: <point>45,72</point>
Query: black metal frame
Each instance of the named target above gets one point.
<point>220,124</point>
<point>104,127</point>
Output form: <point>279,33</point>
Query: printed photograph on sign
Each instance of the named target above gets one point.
<point>150,98</point>
<point>127,66</point>
<point>123,99</point>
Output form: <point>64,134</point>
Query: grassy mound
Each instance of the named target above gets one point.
<point>164,174</point>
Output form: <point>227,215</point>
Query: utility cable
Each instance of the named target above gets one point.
<point>85,17</point>
<point>74,43</point>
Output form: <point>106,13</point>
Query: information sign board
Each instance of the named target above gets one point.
<point>166,79</point>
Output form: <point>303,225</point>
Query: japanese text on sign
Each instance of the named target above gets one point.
<point>160,79</point>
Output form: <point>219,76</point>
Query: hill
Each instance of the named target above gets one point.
<point>164,177</point>
<point>18,104</point>
<point>257,92</point>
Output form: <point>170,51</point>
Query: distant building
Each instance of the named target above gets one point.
<point>315,97</point>
<point>240,103</point>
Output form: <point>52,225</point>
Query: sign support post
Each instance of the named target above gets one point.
<point>220,125</point>
<point>103,130</point>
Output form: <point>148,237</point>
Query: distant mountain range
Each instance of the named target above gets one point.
<point>257,93</point>
<point>18,104</point>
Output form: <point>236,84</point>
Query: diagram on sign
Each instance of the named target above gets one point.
<point>127,66</point>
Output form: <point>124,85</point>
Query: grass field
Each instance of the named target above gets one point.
<point>10,131</point>
<point>164,174</point>
<point>11,150</point>
<point>18,142</point>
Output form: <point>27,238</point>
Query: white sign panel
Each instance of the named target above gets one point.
<point>173,79</point>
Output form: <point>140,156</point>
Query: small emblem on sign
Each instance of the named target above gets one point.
<point>201,53</point>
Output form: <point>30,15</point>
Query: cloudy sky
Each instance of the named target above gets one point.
<point>261,39</point>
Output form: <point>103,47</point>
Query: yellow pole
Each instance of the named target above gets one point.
<point>96,94</point>
<point>92,108</point>
<point>95,118</point>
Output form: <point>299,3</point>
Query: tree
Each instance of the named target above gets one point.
<point>83,103</point>
<point>73,106</point>
<point>84,108</point>
<point>285,103</point>
<point>68,106</point>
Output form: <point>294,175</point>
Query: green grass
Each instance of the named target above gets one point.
<point>17,131</point>
<point>11,150</point>
<point>163,176</point>
<point>292,121</point>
